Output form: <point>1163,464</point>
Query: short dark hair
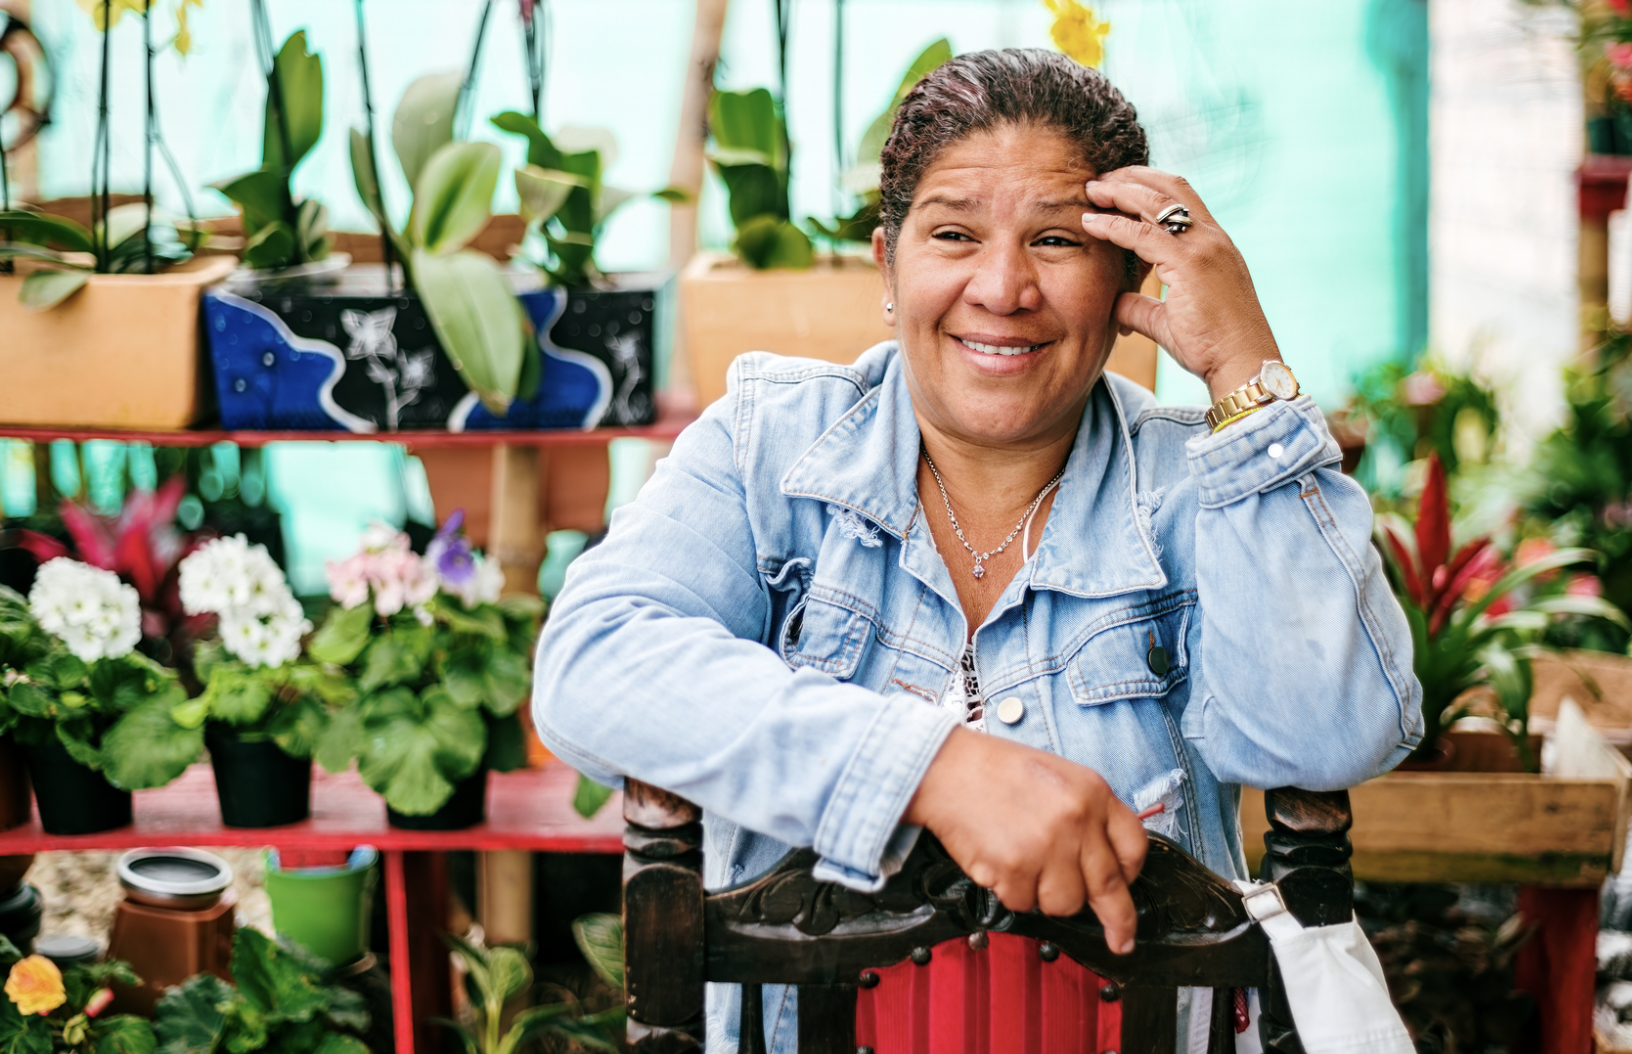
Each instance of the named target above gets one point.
<point>987,89</point>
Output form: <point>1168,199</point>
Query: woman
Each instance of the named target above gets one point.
<point>974,585</point>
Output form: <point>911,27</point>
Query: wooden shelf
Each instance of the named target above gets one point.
<point>670,422</point>
<point>527,810</point>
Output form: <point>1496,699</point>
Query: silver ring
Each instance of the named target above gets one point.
<point>1175,219</point>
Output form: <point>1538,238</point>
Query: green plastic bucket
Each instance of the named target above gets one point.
<point>326,910</point>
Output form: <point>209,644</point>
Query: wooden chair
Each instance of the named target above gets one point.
<point>787,928</point>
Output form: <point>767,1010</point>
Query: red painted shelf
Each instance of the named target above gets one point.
<point>529,810</point>
<point>671,420</point>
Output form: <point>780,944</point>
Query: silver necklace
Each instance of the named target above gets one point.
<point>981,558</point>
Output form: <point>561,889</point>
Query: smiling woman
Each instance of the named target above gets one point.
<point>800,621</point>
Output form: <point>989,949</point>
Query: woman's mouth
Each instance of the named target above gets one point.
<point>997,349</point>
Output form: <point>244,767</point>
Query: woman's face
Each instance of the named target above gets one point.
<point>1003,307</point>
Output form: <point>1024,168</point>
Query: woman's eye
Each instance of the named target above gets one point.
<point>951,236</point>
<point>1054,240</point>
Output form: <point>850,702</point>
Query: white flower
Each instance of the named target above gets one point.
<point>482,587</point>
<point>261,621</point>
<point>88,609</point>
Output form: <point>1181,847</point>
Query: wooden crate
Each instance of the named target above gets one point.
<point>121,353</point>
<point>1567,829</point>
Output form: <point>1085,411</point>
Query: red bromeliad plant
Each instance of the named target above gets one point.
<point>141,545</point>
<point>1471,622</point>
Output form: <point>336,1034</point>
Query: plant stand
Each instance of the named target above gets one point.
<point>528,811</point>
<point>1558,836</point>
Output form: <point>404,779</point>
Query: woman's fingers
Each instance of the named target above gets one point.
<point>1174,187</point>
<point>1108,895</point>
<point>1152,244</point>
<point>1062,888</point>
<point>1133,199</point>
<point>1144,315</point>
<point>1129,841</point>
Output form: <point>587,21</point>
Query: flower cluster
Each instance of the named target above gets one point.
<point>1077,32</point>
<point>387,566</point>
<point>462,570</point>
<point>88,609</point>
<point>261,621</point>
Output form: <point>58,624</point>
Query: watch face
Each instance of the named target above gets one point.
<point>1277,380</point>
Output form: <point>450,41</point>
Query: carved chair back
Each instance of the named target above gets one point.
<point>785,927</point>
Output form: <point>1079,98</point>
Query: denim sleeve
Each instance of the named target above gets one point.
<point>1306,655</point>
<point>651,666</point>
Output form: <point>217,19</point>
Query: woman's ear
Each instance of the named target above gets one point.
<point>880,257</point>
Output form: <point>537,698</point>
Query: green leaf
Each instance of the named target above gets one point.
<point>271,248</point>
<point>43,229</point>
<point>300,79</point>
<point>123,1034</point>
<point>126,224</point>
<point>45,289</point>
<point>464,675</point>
<point>30,700</point>
<point>484,620</point>
<point>754,191</point>
<point>1520,575</point>
<point>336,1043</point>
<point>1585,606</point>
<point>274,981</point>
<point>510,972</point>
<point>9,952</point>
<point>541,150</point>
<point>593,1033</point>
<point>312,241</point>
<point>766,242</point>
<point>78,736</point>
<point>261,194</point>
<point>748,120</point>
<point>423,123</point>
<point>20,1035</point>
<point>543,191</point>
<point>347,1009</point>
<point>509,681</point>
<point>364,175</point>
<point>589,797</point>
<point>297,727</point>
<point>343,635</point>
<point>673,195</point>
<point>190,1017</point>
<point>342,740</point>
<point>237,695</point>
<point>147,748</point>
<point>477,319</point>
<point>396,657</point>
<point>533,1022</point>
<point>414,749</point>
<point>453,199</point>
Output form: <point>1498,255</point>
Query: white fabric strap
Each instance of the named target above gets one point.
<point>1333,981</point>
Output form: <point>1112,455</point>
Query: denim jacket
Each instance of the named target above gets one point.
<point>766,628</point>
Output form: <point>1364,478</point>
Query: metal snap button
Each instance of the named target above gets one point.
<point>1011,710</point>
<point>1156,658</point>
<point>1275,451</point>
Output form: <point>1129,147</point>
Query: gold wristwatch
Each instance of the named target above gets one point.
<point>1274,381</point>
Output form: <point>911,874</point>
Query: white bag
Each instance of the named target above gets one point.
<point>1334,983</point>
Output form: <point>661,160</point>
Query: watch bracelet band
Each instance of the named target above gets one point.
<point>1236,404</point>
<point>1248,412</point>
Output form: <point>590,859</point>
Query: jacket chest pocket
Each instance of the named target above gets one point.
<point>1146,657</point>
<point>824,636</point>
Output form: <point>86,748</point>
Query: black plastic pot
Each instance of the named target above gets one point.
<point>466,807</point>
<point>72,798</point>
<point>20,914</point>
<point>257,784</point>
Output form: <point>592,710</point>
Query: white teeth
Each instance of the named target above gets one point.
<point>993,349</point>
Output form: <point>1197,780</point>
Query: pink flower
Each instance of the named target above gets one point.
<point>348,580</point>
<point>98,1002</point>
<point>1620,54</point>
<point>1421,389</point>
<point>1582,584</point>
<point>1622,7</point>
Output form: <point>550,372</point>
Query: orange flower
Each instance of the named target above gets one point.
<point>1077,32</point>
<point>35,986</point>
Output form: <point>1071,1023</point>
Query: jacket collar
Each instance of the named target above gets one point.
<point>1095,542</point>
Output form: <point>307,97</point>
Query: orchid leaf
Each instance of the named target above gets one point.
<point>45,289</point>
<point>453,199</point>
<point>423,123</point>
<point>299,76</point>
<point>45,230</point>
<point>477,319</point>
<point>600,938</point>
<point>543,191</point>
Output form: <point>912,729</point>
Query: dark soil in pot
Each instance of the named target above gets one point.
<point>72,798</point>
<point>467,807</point>
<point>257,783</point>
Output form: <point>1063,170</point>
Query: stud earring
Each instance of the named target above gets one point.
<point>890,306</point>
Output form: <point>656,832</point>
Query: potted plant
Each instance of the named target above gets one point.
<point>47,1008</point>
<point>282,999</point>
<point>326,910</point>
<point>105,302</point>
<point>284,238</point>
<point>500,974</point>
<point>80,699</point>
<point>441,665</point>
<point>1472,622</point>
<point>261,711</point>
<point>772,294</point>
<point>566,203</point>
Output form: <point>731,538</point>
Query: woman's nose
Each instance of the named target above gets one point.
<point>1004,281</point>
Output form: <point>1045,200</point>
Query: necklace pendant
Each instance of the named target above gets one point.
<point>979,570</point>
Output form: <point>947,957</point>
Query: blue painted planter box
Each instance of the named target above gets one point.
<point>351,356</point>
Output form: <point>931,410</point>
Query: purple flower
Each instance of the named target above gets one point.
<point>450,552</point>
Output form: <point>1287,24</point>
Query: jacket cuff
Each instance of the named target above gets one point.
<point>861,830</point>
<point>1262,451</point>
